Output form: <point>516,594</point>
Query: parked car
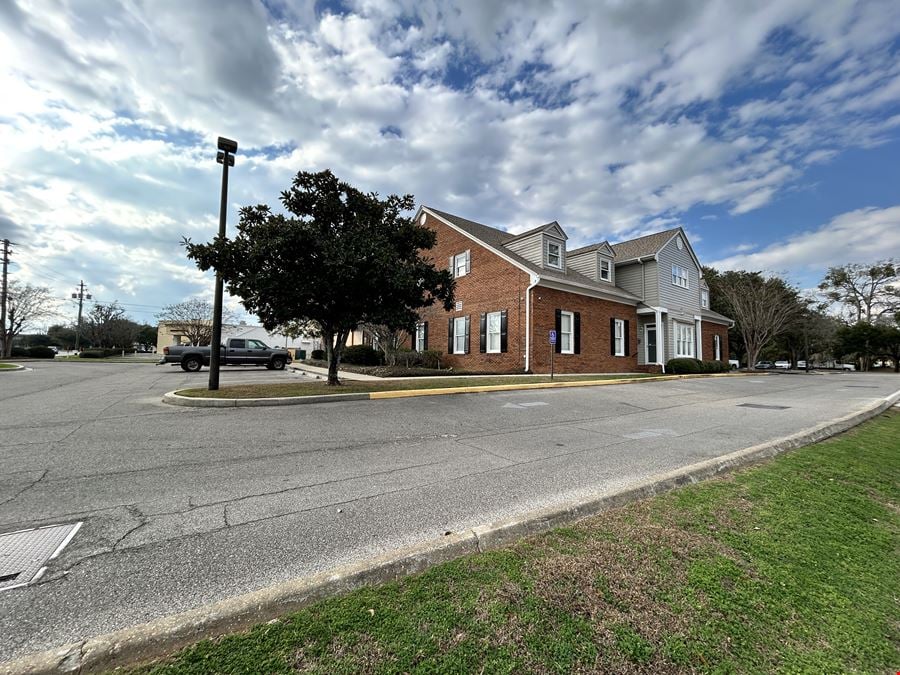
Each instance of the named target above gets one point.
<point>734,364</point>
<point>846,366</point>
<point>764,365</point>
<point>783,365</point>
<point>235,352</point>
<point>801,365</point>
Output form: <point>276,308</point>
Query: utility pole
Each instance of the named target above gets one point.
<point>3,292</point>
<point>80,296</point>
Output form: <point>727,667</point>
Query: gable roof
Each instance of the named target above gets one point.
<point>645,246</point>
<point>495,239</point>
<point>592,247</point>
<point>553,228</point>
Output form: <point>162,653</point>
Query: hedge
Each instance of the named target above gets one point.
<point>684,366</point>
<point>41,353</point>
<point>317,355</point>
<point>360,355</point>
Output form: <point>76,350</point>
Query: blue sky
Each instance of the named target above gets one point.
<point>770,131</point>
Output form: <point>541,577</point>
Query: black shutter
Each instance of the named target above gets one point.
<point>558,346</point>
<point>482,339</point>
<point>503,331</point>
<point>612,336</point>
<point>450,335</point>
<point>627,338</point>
<point>424,335</point>
<point>467,335</point>
<point>577,329</point>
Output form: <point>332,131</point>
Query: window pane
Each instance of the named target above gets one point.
<point>566,322</point>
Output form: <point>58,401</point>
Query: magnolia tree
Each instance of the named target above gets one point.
<point>337,256</point>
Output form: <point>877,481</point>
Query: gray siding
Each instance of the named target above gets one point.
<point>531,248</point>
<point>586,264</point>
<point>681,302</point>
<point>628,278</point>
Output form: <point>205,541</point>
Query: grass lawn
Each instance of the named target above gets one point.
<point>319,387</point>
<point>792,566</point>
<point>7,366</point>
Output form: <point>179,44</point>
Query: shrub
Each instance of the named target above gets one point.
<point>360,355</point>
<point>430,358</point>
<point>693,366</point>
<point>41,353</point>
<point>684,366</point>
<point>19,352</point>
<point>98,353</point>
<point>317,355</point>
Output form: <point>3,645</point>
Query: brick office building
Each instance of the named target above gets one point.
<point>613,307</point>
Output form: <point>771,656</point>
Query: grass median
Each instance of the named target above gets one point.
<point>792,566</point>
<point>8,366</point>
<point>319,387</point>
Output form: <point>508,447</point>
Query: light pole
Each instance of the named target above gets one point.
<point>225,157</point>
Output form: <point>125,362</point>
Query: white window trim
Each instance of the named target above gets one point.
<point>420,337</point>
<point>680,276</point>
<point>459,324</point>
<point>685,340</point>
<point>466,267</point>
<point>609,270</point>
<point>488,333</point>
<point>620,337</point>
<point>547,246</point>
<point>570,333</point>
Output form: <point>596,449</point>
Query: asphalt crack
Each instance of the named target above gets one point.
<point>26,488</point>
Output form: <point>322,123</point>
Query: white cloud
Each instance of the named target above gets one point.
<point>609,117</point>
<point>863,235</point>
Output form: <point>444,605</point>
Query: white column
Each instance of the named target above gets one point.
<point>698,337</point>
<point>660,341</point>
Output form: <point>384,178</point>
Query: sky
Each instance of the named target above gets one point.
<point>770,131</point>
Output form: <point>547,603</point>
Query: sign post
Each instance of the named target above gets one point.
<point>552,351</point>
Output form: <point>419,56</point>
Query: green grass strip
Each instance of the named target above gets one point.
<point>789,567</point>
<point>320,387</point>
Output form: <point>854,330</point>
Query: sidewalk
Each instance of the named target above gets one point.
<point>323,373</point>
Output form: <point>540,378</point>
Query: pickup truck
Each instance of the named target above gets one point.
<point>235,352</point>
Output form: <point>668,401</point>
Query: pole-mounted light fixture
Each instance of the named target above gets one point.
<point>225,157</point>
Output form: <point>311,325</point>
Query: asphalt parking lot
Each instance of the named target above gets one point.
<point>182,506</point>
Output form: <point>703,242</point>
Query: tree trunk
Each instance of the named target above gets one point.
<point>334,348</point>
<point>752,353</point>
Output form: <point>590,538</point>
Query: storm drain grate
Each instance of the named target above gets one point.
<point>24,554</point>
<point>762,406</point>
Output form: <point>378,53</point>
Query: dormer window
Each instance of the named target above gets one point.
<point>605,270</point>
<point>554,255</point>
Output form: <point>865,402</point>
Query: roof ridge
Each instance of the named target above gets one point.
<point>645,236</point>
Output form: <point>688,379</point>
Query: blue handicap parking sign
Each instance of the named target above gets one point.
<point>552,337</point>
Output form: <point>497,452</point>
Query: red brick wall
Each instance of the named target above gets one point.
<point>492,285</point>
<point>707,330</point>
<point>595,356</point>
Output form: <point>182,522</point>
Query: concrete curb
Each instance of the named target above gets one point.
<point>174,398</point>
<point>16,367</point>
<point>162,637</point>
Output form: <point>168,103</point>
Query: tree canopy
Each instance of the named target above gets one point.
<point>193,319</point>
<point>26,305</point>
<point>338,257</point>
<point>868,291</point>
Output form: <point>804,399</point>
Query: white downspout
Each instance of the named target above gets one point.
<point>534,282</point>
<point>698,321</point>
<point>661,341</point>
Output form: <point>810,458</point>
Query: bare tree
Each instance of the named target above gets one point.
<point>25,305</point>
<point>388,340</point>
<point>193,319</point>
<point>870,291</point>
<point>762,307</point>
<point>104,324</point>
